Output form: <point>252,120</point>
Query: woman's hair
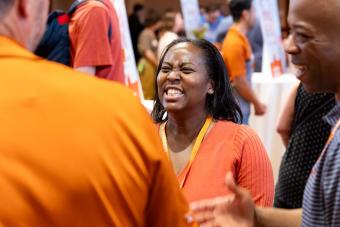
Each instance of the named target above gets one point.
<point>221,105</point>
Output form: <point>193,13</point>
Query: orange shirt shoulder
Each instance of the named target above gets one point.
<point>236,51</point>
<point>73,148</point>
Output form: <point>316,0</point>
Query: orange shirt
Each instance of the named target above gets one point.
<point>90,44</point>
<point>236,51</point>
<point>230,147</point>
<point>78,151</point>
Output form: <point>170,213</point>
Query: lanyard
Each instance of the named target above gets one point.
<point>330,138</point>
<point>194,150</point>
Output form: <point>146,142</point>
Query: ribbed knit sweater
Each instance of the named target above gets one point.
<point>236,148</point>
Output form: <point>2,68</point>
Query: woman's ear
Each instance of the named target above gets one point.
<point>211,88</point>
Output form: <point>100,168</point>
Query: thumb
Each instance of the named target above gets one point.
<point>231,185</point>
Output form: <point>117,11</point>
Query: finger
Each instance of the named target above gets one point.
<point>202,205</point>
<point>211,204</point>
<point>203,217</point>
<point>223,200</point>
<point>239,192</point>
<point>230,182</point>
<point>211,223</point>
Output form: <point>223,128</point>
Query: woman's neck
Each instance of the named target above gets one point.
<point>185,130</point>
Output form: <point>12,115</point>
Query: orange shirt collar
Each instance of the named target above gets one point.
<point>11,48</point>
<point>242,37</point>
<point>238,33</point>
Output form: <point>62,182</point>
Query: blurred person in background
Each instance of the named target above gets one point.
<point>166,32</point>
<point>95,39</point>
<point>214,23</point>
<point>238,57</point>
<point>147,47</point>
<point>255,38</point>
<point>179,25</point>
<point>136,25</point>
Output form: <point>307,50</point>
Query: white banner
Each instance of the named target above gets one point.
<point>192,17</point>
<point>130,69</point>
<point>274,58</point>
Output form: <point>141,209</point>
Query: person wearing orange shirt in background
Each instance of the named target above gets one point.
<point>201,131</point>
<point>92,26</point>
<point>74,150</point>
<point>237,55</point>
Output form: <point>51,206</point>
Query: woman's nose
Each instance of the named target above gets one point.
<point>174,75</point>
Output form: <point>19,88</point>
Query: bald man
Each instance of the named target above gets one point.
<point>74,150</point>
<point>315,49</point>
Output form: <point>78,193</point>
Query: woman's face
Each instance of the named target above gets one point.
<point>183,82</point>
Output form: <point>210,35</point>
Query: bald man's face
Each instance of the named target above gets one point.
<point>315,43</point>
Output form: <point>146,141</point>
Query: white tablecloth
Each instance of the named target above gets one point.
<point>273,92</point>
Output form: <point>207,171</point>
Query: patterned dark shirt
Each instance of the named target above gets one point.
<point>309,135</point>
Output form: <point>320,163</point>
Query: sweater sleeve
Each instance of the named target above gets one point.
<point>254,170</point>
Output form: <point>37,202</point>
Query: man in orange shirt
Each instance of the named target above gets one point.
<point>95,40</point>
<point>237,55</point>
<point>74,150</point>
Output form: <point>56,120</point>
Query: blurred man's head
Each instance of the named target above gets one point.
<point>138,10</point>
<point>212,13</point>
<point>24,20</point>
<point>243,11</point>
<point>315,43</point>
<point>153,20</point>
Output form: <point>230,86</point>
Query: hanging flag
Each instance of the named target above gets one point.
<point>192,18</point>
<point>274,58</point>
<point>130,69</point>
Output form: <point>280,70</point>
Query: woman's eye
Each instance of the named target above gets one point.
<point>165,69</point>
<point>187,70</point>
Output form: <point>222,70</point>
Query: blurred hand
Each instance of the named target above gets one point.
<point>260,108</point>
<point>237,210</point>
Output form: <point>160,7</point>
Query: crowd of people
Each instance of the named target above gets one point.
<point>77,149</point>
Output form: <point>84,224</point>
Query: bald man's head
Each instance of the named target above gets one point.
<point>315,43</point>
<point>23,20</point>
<point>5,5</point>
<point>317,12</point>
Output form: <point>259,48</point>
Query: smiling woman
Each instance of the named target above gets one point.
<point>199,126</point>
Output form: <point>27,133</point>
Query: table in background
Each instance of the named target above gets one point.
<point>273,92</point>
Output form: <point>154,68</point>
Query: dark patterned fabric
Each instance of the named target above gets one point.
<point>309,135</point>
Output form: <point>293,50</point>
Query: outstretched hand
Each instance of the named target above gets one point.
<point>236,210</point>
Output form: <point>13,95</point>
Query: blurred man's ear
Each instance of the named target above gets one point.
<point>245,14</point>
<point>23,7</point>
<point>51,6</point>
